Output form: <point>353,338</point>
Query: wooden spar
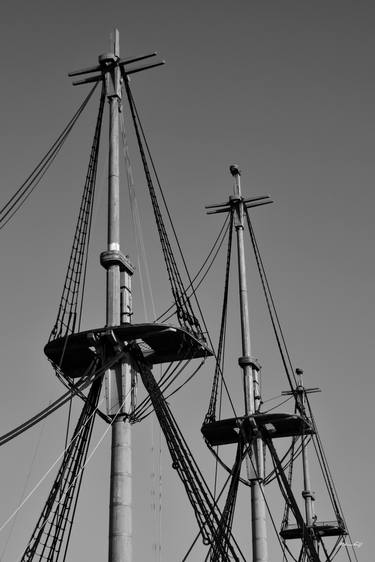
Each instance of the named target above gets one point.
<point>118,380</point>
<point>120,377</point>
<point>250,382</point>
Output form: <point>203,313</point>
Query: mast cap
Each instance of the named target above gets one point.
<point>107,58</point>
<point>234,170</point>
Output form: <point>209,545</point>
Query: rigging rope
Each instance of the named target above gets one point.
<point>283,546</point>
<point>22,194</point>
<point>289,497</point>
<point>226,522</point>
<point>285,519</point>
<point>185,312</point>
<point>211,413</point>
<point>206,511</point>
<point>142,263</point>
<point>207,263</point>
<point>137,226</point>
<point>286,359</point>
<point>89,377</point>
<point>327,475</point>
<point>70,307</point>
<point>145,407</point>
<point>62,499</point>
<point>37,485</point>
<point>184,309</point>
<point>48,536</point>
<point>23,495</point>
<point>285,356</point>
<point>199,533</point>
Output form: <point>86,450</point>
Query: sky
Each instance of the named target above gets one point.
<point>283,89</point>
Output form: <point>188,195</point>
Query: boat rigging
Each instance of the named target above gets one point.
<point>120,353</point>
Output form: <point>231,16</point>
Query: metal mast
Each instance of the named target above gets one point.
<point>250,369</point>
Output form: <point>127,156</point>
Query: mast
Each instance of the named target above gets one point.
<point>307,494</point>
<point>118,380</point>
<point>250,369</point>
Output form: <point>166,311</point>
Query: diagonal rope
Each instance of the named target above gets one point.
<point>205,508</point>
<point>70,307</point>
<point>279,335</point>
<point>23,493</point>
<point>89,457</point>
<point>203,271</point>
<point>137,225</point>
<point>23,193</point>
<point>226,522</point>
<point>185,312</point>
<point>211,413</point>
<point>48,536</point>
<point>86,379</point>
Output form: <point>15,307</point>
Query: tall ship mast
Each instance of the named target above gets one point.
<point>136,367</point>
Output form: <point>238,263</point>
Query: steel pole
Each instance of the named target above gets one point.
<point>250,376</point>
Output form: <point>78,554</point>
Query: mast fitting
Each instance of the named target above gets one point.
<point>234,170</point>
<point>107,59</point>
<point>251,361</point>
<point>114,257</point>
<point>308,494</point>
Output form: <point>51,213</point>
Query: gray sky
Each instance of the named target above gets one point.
<point>284,89</point>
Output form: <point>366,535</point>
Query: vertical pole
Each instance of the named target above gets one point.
<point>118,379</point>
<point>120,516</point>
<point>250,376</point>
<point>307,494</point>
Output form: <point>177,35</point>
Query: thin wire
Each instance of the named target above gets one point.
<point>282,546</point>
<point>90,221</point>
<point>174,392</point>
<point>278,405</point>
<point>139,410</point>
<point>219,243</point>
<point>327,475</point>
<point>146,402</point>
<point>46,474</point>
<point>216,500</point>
<point>91,454</point>
<point>165,381</point>
<point>77,493</point>
<point>137,225</point>
<point>138,122</point>
<point>86,381</point>
<point>160,536</point>
<point>293,457</point>
<point>23,490</point>
<point>273,398</point>
<point>271,306</point>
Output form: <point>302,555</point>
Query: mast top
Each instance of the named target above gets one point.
<point>112,59</point>
<point>115,40</point>
<point>235,199</point>
<point>234,170</point>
